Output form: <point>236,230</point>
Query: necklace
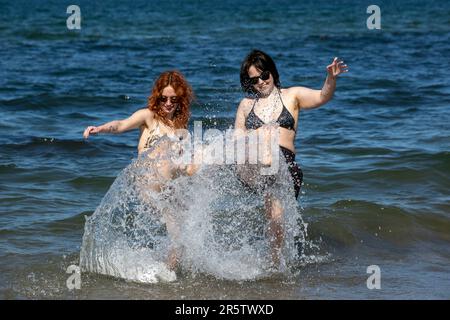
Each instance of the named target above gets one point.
<point>267,110</point>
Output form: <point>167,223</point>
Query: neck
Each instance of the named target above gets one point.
<point>263,96</point>
<point>169,116</point>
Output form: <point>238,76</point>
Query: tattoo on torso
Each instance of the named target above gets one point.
<point>150,139</point>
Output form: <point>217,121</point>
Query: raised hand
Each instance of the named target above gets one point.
<point>336,68</point>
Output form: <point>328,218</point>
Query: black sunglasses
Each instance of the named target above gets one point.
<point>263,76</point>
<point>164,99</point>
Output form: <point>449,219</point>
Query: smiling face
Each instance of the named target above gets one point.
<point>253,66</point>
<point>169,101</point>
<point>263,87</point>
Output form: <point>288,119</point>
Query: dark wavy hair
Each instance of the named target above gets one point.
<point>262,61</point>
<point>184,92</point>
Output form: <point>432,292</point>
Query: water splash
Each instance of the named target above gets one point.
<point>214,222</point>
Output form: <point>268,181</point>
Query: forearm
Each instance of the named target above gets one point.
<point>328,89</point>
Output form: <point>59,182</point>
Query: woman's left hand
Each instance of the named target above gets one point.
<point>336,68</point>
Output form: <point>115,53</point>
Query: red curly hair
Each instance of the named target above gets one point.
<point>184,93</point>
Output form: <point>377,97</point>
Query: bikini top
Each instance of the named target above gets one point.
<point>285,119</point>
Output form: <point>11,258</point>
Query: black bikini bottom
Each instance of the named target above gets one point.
<point>294,169</point>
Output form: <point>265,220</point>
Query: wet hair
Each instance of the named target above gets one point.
<point>262,61</point>
<point>184,93</point>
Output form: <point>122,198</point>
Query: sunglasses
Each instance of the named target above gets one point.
<point>164,99</point>
<point>263,76</point>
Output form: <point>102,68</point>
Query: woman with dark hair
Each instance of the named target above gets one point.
<point>268,103</point>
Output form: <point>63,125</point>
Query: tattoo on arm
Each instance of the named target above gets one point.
<point>113,128</point>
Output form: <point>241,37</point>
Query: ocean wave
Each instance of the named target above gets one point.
<point>352,222</point>
<point>67,225</point>
<point>34,145</point>
<point>98,182</point>
<point>46,101</point>
<point>11,168</point>
<point>46,35</point>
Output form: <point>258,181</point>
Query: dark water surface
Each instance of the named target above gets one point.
<point>376,159</point>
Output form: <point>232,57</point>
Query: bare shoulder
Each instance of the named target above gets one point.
<point>144,112</point>
<point>146,115</point>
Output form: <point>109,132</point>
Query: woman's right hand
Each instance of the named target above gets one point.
<point>90,130</point>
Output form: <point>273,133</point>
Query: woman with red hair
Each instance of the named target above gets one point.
<point>168,109</point>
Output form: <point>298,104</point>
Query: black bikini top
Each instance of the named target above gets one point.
<point>285,119</point>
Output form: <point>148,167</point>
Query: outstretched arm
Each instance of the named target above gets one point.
<point>309,98</point>
<point>119,126</point>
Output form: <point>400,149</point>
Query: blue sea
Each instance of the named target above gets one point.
<point>376,159</point>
